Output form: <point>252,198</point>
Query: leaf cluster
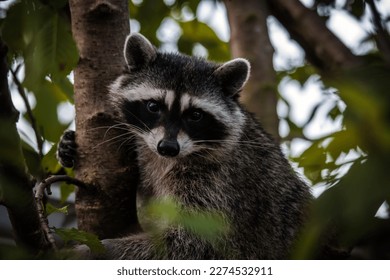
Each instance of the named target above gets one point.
<point>42,54</point>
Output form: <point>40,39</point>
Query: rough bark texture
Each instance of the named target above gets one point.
<point>100,28</point>
<point>323,49</point>
<point>15,185</point>
<point>249,39</point>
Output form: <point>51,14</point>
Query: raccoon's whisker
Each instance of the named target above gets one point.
<point>130,127</point>
<point>199,154</point>
<point>116,126</point>
<point>147,127</point>
<point>119,126</point>
<point>113,138</point>
<point>123,137</point>
<point>248,143</point>
<point>212,156</point>
<point>126,143</point>
<point>127,126</point>
<point>209,151</point>
<point>106,127</point>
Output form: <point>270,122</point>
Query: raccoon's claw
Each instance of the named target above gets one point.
<point>67,149</point>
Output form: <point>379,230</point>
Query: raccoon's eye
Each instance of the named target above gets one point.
<point>195,116</point>
<point>153,106</point>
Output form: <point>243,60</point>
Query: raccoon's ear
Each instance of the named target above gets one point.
<point>233,75</point>
<point>138,51</point>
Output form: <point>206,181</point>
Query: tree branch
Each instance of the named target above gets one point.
<point>250,39</point>
<point>15,184</point>
<point>30,114</point>
<point>382,37</point>
<point>39,194</point>
<point>323,49</point>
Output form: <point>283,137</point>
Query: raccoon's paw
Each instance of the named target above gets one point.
<point>67,149</point>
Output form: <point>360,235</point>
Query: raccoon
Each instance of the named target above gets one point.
<point>199,147</point>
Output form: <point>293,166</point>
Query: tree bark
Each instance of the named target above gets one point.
<point>99,28</point>
<point>249,39</point>
<point>15,184</point>
<point>323,49</point>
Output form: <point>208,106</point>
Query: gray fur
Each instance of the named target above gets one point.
<point>245,178</point>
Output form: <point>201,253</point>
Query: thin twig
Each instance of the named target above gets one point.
<point>30,114</point>
<point>39,194</point>
<point>382,38</point>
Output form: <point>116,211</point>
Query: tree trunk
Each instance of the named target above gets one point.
<point>99,28</point>
<point>15,184</point>
<point>249,39</point>
<point>323,49</point>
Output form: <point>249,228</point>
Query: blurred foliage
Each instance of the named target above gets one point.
<point>182,14</point>
<point>169,213</point>
<point>52,209</point>
<point>351,163</point>
<point>72,234</point>
<point>42,53</point>
<point>351,202</point>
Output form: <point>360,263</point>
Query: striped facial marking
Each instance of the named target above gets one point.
<point>211,106</point>
<point>142,92</point>
<point>160,115</point>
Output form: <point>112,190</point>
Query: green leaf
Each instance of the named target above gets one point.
<point>42,35</point>
<point>83,237</point>
<point>365,91</point>
<point>66,87</point>
<point>33,160</point>
<point>207,225</point>
<point>10,145</point>
<point>198,32</point>
<point>66,190</point>
<point>166,210</point>
<point>52,51</point>
<point>302,74</point>
<point>49,162</point>
<point>18,27</point>
<point>313,160</point>
<point>50,209</point>
<point>335,112</point>
<point>295,130</point>
<point>49,96</point>
<point>354,202</point>
<point>342,142</point>
<point>150,24</point>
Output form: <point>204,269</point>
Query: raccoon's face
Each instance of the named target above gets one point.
<point>177,105</point>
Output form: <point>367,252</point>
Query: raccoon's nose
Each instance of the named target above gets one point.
<point>168,148</point>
